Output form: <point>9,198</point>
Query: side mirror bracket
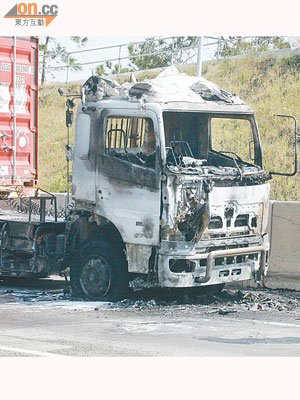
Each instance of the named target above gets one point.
<point>70,104</point>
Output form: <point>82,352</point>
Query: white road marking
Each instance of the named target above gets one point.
<point>266,322</point>
<point>277,323</point>
<point>31,352</point>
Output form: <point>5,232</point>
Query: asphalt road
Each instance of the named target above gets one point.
<point>38,319</point>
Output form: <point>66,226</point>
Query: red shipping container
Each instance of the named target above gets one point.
<point>19,57</point>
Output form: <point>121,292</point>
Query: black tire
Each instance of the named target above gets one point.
<point>101,272</point>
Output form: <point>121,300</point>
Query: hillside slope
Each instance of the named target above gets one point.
<point>269,85</point>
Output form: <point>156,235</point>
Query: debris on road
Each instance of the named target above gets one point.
<point>226,302</point>
<point>32,295</point>
<point>144,296</point>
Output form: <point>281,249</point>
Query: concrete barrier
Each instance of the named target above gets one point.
<point>284,265</point>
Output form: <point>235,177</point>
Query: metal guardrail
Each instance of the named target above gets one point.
<point>120,58</point>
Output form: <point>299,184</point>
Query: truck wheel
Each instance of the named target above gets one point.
<point>101,273</point>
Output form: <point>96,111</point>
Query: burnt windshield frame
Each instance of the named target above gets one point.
<point>206,117</point>
<point>254,128</point>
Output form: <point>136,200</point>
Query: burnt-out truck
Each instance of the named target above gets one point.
<point>167,184</point>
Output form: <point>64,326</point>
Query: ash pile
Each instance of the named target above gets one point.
<point>145,296</point>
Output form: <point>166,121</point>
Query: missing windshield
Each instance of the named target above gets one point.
<point>219,142</point>
<point>233,139</point>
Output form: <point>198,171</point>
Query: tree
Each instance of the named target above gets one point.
<point>159,52</point>
<point>153,53</point>
<point>112,69</point>
<point>52,50</point>
<point>237,45</point>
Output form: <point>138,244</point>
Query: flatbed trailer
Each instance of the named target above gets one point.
<point>28,242</point>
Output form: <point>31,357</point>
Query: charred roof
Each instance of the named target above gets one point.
<point>168,88</point>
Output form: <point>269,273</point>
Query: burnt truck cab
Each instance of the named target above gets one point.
<point>167,184</point>
<point>172,171</point>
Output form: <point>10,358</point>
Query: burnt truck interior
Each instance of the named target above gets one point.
<point>131,139</point>
<point>212,143</point>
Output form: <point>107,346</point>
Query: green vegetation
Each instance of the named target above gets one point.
<point>53,137</point>
<point>157,52</point>
<point>269,85</point>
<point>236,45</point>
<point>154,52</point>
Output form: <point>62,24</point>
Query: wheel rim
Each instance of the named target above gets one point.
<point>95,277</point>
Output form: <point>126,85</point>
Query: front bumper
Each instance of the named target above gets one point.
<point>215,267</point>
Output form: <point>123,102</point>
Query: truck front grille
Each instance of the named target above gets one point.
<point>238,225</point>
<point>232,260</point>
<point>215,223</point>
<point>242,220</point>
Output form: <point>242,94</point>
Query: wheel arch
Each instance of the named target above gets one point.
<point>93,227</point>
